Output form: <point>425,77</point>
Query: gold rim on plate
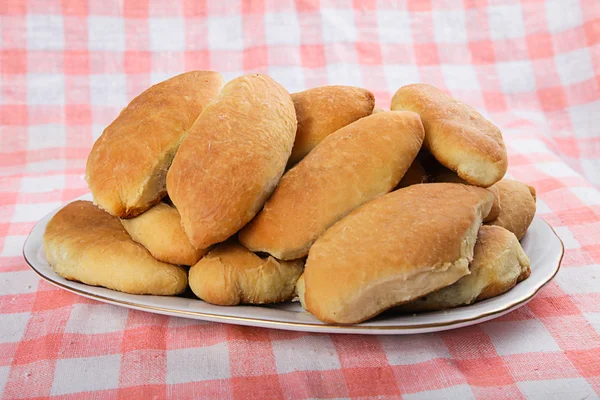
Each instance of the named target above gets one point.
<point>316,326</point>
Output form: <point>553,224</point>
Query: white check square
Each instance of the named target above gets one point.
<point>106,33</point>
<point>449,26</point>
<point>182,364</point>
<point>225,32</point>
<point>73,375</point>
<point>574,66</point>
<point>394,26</point>
<point>282,28</point>
<point>45,32</point>
<point>46,136</point>
<point>96,318</point>
<point>559,389</point>
<point>288,359</point>
<point>460,77</point>
<point>12,326</point>
<point>562,15</point>
<point>166,34</point>
<point>336,26</point>
<point>108,90</point>
<point>46,89</point>
<point>506,22</point>
<point>516,76</point>
<point>579,280</point>
<point>520,337</point>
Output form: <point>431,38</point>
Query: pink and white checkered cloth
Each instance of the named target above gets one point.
<point>68,66</point>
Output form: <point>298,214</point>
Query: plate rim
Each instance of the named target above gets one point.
<point>315,327</point>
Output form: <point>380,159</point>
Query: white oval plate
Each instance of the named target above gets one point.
<point>541,243</point>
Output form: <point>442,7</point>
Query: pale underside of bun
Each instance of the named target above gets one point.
<point>230,275</point>
<point>456,134</point>
<point>394,249</point>
<point>499,262</point>
<point>85,244</point>
<point>127,167</point>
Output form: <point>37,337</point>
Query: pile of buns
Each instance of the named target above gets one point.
<point>250,195</point>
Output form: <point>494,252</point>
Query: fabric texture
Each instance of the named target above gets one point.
<point>67,67</point>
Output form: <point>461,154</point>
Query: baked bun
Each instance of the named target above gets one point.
<point>499,262</point>
<point>394,249</point>
<point>232,158</point>
<point>516,206</point>
<point>456,134</point>
<point>377,110</point>
<point>85,244</point>
<point>127,166</point>
<point>230,275</point>
<point>357,163</point>
<point>323,110</point>
<point>159,230</point>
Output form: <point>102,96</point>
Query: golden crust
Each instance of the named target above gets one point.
<point>86,244</point>
<point>499,262</point>
<point>231,274</point>
<point>394,249</point>
<point>350,167</point>
<point>323,110</point>
<point>232,158</point>
<point>159,230</point>
<point>127,166</point>
<point>516,206</point>
<point>456,134</point>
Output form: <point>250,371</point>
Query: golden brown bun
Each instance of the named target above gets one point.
<point>86,244</point>
<point>394,249</point>
<point>377,110</point>
<point>499,262</point>
<point>516,206</point>
<point>323,110</point>
<point>159,230</point>
<point>232,158</point>
<point>350,167</point>
<point>414,175</point>
<point>230,274</point>
<point>456,134</point>
<point>127,166</point>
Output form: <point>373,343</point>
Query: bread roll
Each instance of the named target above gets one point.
<point>394,249</point>
<point>350,167</point>
<point>377,110</point>
<point>159,230</point>
<point>230,274</point>
<point>323,110</point>
<point>499,262</point>
<point>414,175</point>
<point>232,158</point>
<point>85,244</point>
<point>456,134</point>
<point>516,206</point>
<point>127,166</point>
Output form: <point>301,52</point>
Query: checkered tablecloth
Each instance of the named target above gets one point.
<point>68,66</point>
